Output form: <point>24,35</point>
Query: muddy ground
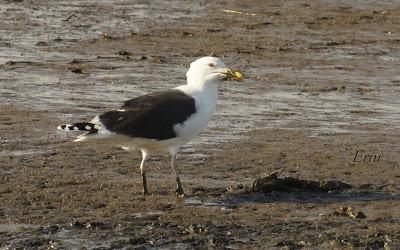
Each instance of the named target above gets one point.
<point>321,84</point>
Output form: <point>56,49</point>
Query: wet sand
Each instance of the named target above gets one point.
<point>321,85</point>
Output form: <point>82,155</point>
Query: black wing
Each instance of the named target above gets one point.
<point>151,116</point>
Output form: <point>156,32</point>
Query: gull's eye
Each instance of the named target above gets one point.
<point>211,65</point>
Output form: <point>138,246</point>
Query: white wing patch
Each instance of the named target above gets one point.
<point>100,126</point>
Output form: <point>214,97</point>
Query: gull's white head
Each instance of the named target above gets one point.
<point>210,70</point>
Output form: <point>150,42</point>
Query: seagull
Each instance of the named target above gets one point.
<point>161,121</point>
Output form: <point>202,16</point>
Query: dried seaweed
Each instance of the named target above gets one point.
<point>271,182</point>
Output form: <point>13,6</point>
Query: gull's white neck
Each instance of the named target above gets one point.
<point>205,93</point>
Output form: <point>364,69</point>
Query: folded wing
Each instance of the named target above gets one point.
<point>151,116</point>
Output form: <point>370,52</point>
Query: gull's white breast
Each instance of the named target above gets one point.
<point>205,101</point>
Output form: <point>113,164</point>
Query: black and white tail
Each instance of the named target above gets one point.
<point>80,126</point>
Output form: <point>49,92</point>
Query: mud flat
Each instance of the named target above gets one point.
<point>320,101</point>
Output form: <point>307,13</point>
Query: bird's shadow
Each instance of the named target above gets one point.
<point>311,197</point>
<point>301,197</point>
